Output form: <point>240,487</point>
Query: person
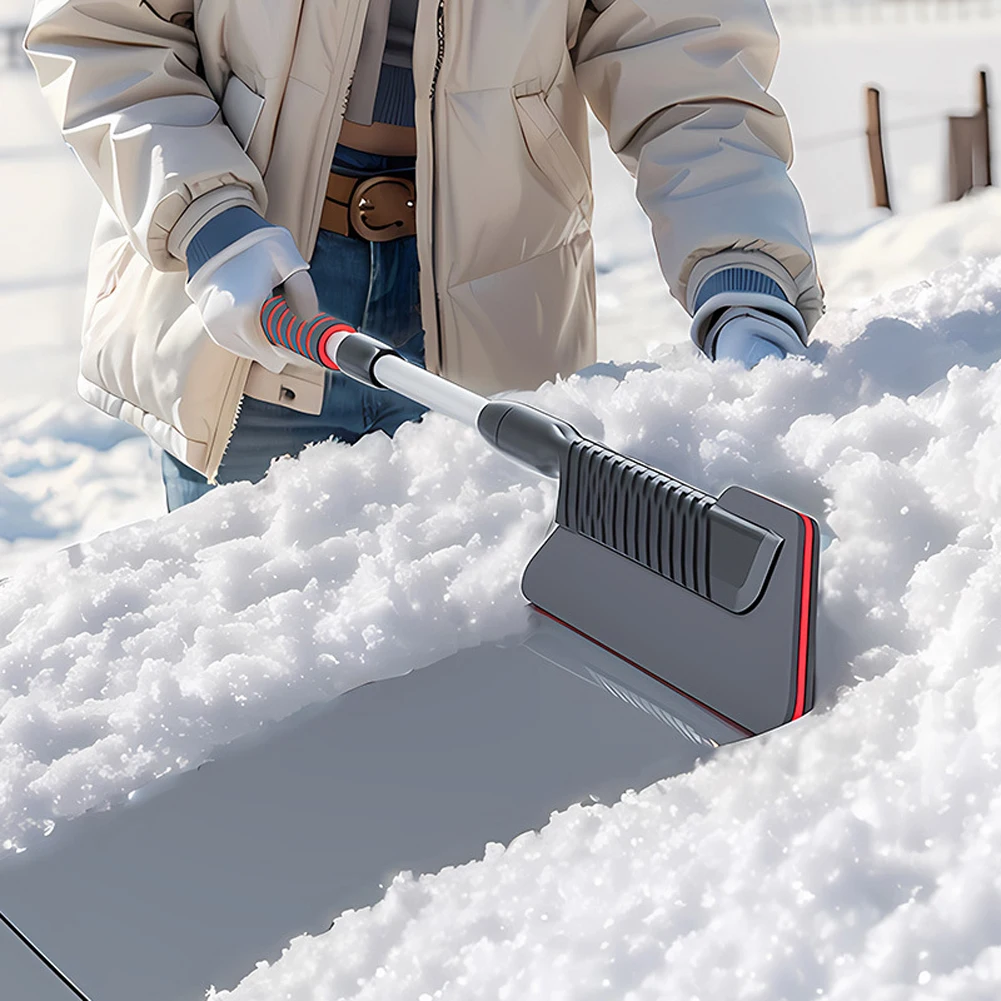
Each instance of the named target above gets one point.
<point>418,170</point>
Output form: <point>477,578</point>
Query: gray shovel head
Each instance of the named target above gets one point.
<point>753,669</point>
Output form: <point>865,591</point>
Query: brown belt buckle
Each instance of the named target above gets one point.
<point>383,208</point>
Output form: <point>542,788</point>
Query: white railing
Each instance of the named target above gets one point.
<point>912,12</point>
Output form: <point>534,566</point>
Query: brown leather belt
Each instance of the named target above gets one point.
<point>377,208</point>
<point>379,137</point>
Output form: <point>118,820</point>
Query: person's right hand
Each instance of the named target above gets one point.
<point>231,288</point>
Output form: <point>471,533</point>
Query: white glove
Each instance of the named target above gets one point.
<point>747,335</point>
<point>231,288</point>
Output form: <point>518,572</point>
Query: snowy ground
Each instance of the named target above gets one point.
<point>848,856</point>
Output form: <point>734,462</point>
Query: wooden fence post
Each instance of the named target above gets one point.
<point>985,118</point>
<point>962,144</point>
<point>877,154</point>
<point>13,33</point>
<point>970,147</point>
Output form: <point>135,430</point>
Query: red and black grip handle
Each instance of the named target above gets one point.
<point>353,353</point>
<point>308,338</point>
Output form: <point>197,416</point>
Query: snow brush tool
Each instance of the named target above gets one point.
<point>715,598</point>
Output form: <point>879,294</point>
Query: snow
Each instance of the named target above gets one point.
<point>866,828</point>
<point>352,565</point>
<point>848,855</point>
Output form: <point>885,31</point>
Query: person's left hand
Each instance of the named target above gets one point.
<point>232,286</point>
<point>748,335</point>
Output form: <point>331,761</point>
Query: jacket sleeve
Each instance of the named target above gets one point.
<point>123,79</point>
<point>681,89</point>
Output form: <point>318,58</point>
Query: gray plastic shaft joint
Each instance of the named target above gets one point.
<point>534,438</point>
<point>357,355</point>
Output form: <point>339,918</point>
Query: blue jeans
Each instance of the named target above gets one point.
<point>372,286</point>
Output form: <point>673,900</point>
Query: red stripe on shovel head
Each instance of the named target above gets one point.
<point>804,619</point>
<point>649,674</point>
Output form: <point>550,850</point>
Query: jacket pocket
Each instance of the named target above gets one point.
<point>302,393</point>
<point>550,147</point>
<point>241,107</point>
<point>107,265</point>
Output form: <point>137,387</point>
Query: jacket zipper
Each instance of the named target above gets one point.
<point>434,184</point>
<point>232,403</point>
<point>330,143</point>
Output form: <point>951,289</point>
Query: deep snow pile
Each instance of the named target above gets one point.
<point>849,855</point>
<point>171,637</point>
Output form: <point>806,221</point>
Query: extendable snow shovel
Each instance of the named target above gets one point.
<point>714,598</point>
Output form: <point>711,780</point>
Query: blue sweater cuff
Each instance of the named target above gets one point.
<point>737,280</point>
<point>218,233</point>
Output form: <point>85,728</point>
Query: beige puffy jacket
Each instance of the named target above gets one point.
<point>180,109</point>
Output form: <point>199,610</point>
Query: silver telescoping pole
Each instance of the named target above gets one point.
<point>432,391</point>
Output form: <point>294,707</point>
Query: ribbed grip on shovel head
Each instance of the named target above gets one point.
<point>667,526</point>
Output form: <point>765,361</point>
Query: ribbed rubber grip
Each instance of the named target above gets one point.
<point>309,339</point>
<point>640,512</point>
